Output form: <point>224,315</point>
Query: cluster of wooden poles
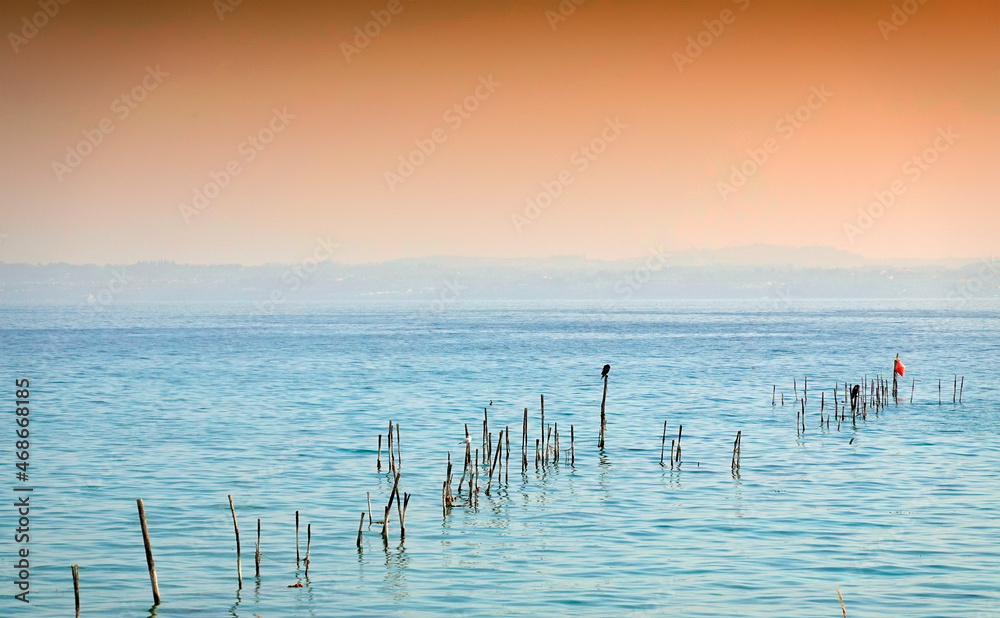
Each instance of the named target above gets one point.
<point>402,499</point>
<point>495,459</point>
<point>875,393</point>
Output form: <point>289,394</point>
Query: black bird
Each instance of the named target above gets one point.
<point>604,372</point>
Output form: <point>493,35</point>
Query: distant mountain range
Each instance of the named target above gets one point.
<point>758,271</point>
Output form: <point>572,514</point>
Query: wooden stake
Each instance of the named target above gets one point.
<point>773,390</point>
<point>960,389</point>
<point>399,453</point>
<point>954,390</point>
<point>572,447</point>
<point>663,441</point>
<point>297,559</point>
<point>736,451</point>
<point>841,597</point>
<point>378,462</point>
<point>256,553</point>
<point>76,587</point>
<point>149,553</point>
<point>361,523</point>
<point>506,465</point>
<point>309,537</point>
<point>600,440</point>
<point>542,427</point>
<point>402,515</point>
<point>678,453</point>
<point>239,558</point>
<point>671,453</point>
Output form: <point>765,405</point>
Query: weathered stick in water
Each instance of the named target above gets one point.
<point>399,453</point>
<point>600,441</point>
<point>671,453</point>
<point>912,385</point>
<point>297,559</point>
<point>388,506</point>
<point>663,441</point>
<point>939,391</point>
<point>506,464</point>
<point>841,597</point>
<point>954,390</point>
<point>402,515</point>
<point>378,461</point>
<point>542,426</point>
<point>392,457</point>
<point>361,523</point>
<point>256,552</point>
<point>736,451</point>
<point>960,389</point>
<point>773,390</point>
<point>309,539</point>
<point>76,587</point>
<point>239,558</point>
<point>149,553</point>
<point>680,430</point>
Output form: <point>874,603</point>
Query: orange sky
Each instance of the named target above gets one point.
<point>552,90</point>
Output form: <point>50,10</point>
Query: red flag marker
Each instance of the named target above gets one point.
<point>900,367</point>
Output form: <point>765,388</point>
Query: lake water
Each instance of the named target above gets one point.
<point>183,404</point>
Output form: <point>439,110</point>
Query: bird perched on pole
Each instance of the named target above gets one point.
<point>604,372</point>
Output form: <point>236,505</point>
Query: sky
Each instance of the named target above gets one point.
<point>270,131</point>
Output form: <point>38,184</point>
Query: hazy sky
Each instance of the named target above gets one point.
<point>627,118</point>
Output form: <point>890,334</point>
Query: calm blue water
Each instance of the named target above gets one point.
<point>183,404</point>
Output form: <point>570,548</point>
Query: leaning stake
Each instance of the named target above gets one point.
<point>149,553</point>
<point>239,559</point>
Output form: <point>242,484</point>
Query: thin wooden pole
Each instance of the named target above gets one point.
<point>736,451</point>
<point>149,553</point>
<point>939,391</point>
<point>600,441</point>
<point>239,557</point>
<point>378,461</point>
<point>954,390</point>
<point>76,587</point>
<point>297,559</point>
<point>399,453</point>
<point>663,441</point>
<point>402,514</point>
<point>960,389</point>
<point>506,465</point>
<point>542,427</point>
<point>678,452</point>
<point>359,528</point>
<point>309,539</point>
<point>774,389</point>
<point>256,553</point>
